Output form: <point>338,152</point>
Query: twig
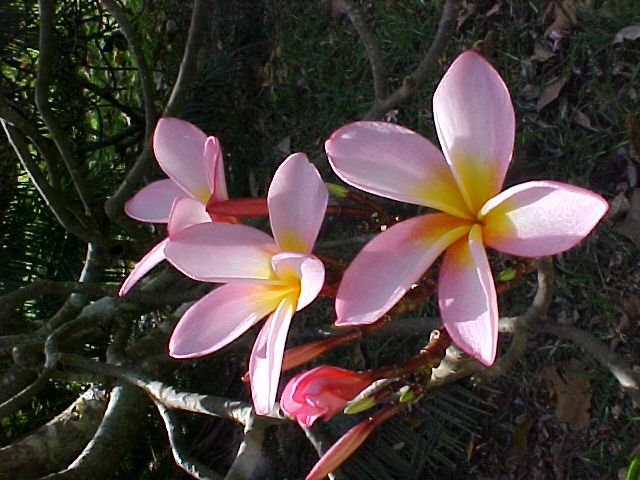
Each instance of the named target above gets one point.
<point>628,379</point>
<point>378,69</point>
<point>411,83</point>
<point>52,198</point>
<point>183,460</point>
<point>42,87</point>
<point>146,82</point>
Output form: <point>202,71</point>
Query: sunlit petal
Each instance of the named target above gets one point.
<point>186,211</point>
<point>179,149</point>
<point>266,357</point>
<point>214,167</point>
<point>390,263</point>
<point>150,260</point>
<point>297,202</point>
<point>154,201</point>
<point>305,271</point>
<point>395,162</point>
<point>540,218</point>
<point>220,317</point>
<point>220,252</point>
<point>467,297</point>
<point>476,126</point>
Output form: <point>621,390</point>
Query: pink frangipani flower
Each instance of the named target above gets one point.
<point>263,276</point>
<point>321,392</point>
<point>476,126</point>
<point>193,163</point>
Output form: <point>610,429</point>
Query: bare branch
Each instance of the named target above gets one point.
<point>411,83</point>
<point>628,379</point>
<point>55,444</point>
<point>378,69</point>
<point>250,449</point>
<point>167,394</point>
<point>112,439</point>
<point>182,459</point>
<point>42,88</point>
<point>52,198</point>
<point>23,397</point>
<point>520,326</point>
<point>146,82</point>
<point>188,71</point>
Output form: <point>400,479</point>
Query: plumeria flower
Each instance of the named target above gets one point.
<point>321,392</point>
<point>476,126</point>
<point>262,275</point>
<point>193,163</point>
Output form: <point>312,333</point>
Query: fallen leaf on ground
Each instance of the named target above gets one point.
<point>632,32</point>
<point>564,14</point>
<point>572,390</point>
<point>583,120</point>
<point>550,91</point>
<point>630,226</point>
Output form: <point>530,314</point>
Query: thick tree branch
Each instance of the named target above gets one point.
<point>112,439</point>
<point>55,444</point>
<point>250,449</point>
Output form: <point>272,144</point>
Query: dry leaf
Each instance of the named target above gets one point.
<point>583,120</point>
<point>541,53</point>
<point>564,13</point>
<point>572,390</point>
<point>632,32</point>
<point>630,226</point>
<point>550,91</point>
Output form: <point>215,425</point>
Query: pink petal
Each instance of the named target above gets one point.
<point>179,149</point>
<point>476,126</point>
<point>297,201</point>
<point>390,263</point>
<point>306,271</point>
<point>266,358</point>
<point>150,260</point>
<point>467,297</point>
<point>214,168</point>
<point>154,201</point>
<point>394,162</point>
<point>222,252</point>
<point>540,218</point>
<point>220,317</point>
<point>186,211</point>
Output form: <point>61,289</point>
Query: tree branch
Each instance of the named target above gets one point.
<point>411,83</point>
<point>42,88</point>
<point>188,70</point>
<point>113,438</point>
<point>378,69</point>
<point>250,449</point>
<point>628,379</point>
<point>182,459</point>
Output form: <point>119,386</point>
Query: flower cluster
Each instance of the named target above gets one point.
<point>275,276</point>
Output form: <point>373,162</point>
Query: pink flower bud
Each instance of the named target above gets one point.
<point>348,443</point>
<point>321,392</point>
